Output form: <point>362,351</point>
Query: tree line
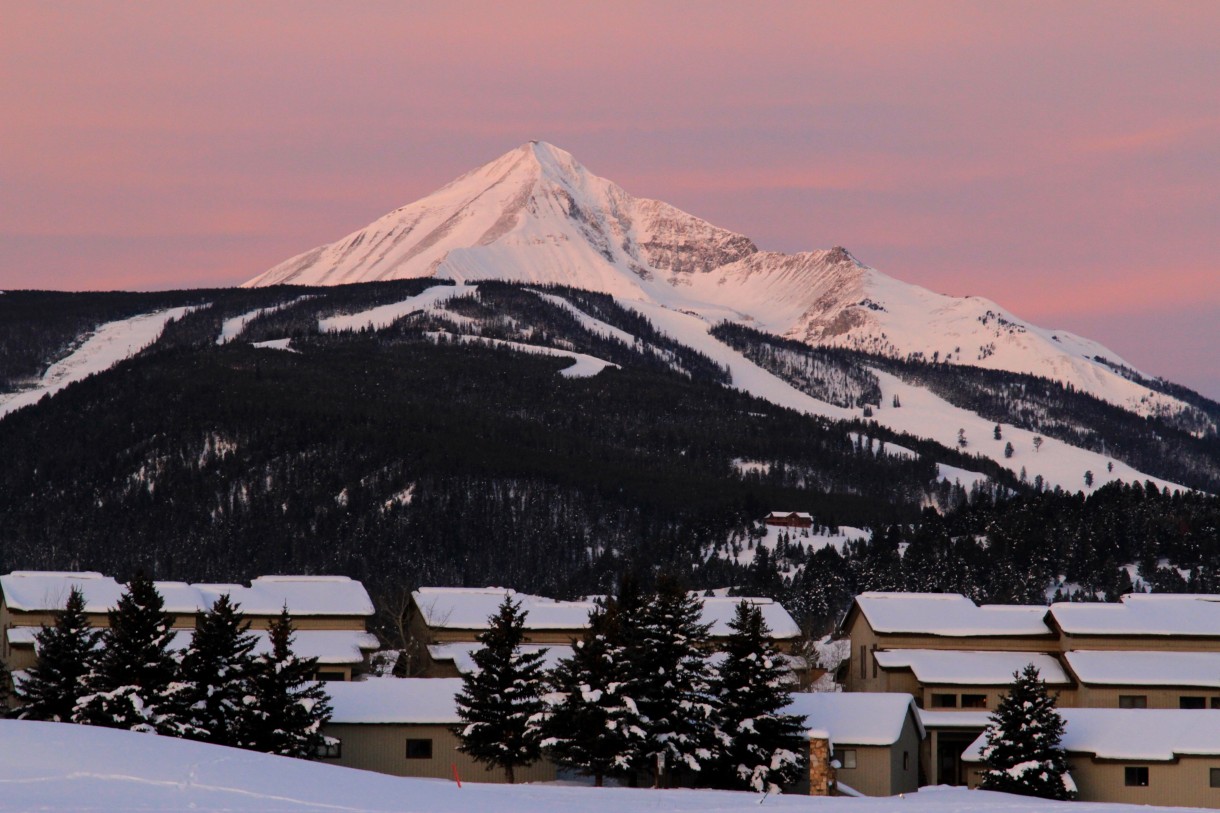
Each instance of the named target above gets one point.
<point>129,676</point>
<point>641,695</point>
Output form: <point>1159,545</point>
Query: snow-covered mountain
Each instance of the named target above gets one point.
<point>536,215</point>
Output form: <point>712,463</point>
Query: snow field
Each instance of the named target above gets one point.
<point>232,328</point>
<point>585,366</point>
<point>106,347</point>
<point>383,316</point>
<point>63,767</point>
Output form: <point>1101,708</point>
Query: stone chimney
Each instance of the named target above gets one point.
<point>821,772</point>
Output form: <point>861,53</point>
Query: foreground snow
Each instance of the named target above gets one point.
<point>60,767</point>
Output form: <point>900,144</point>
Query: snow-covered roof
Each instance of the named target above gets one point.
<point>969,668</point>
<point>1144,735</point>
<point>462,654</point>
<point>45,591</point>
<point>718,611</point>
<point>395,700</point>
<point>36,590</point>
<point>1142,614</point>
<point>468,608</point>
<point>788,514</point>
<point>948,614</point>
<point>1144,668</point>
<point>954,719</point>
<point>856,718</point>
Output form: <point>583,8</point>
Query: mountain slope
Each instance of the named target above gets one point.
<point>536,215</point>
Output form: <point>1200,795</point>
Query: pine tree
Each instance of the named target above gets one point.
<point>587,730</point>
<point>216,671</point>
<point>764,747</point>
<point>668,692</point>
<point>286,707</point>
<point>53,686</point>
<point>1023,754</point>
<point>501,703</point>
<point>132,682</point>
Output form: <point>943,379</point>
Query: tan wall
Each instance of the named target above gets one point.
<point>382,748</point>
<point>1154,643</point>
<point>1185,783</point>
<point>1159,697</point>
<point>879,770</point>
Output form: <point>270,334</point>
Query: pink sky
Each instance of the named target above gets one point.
<point>1062,159</point>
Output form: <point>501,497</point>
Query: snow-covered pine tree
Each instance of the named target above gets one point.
<point>1023,753</point>
<point>285,708</point>
<point>764,747</point>
<point>216,671</point>
<point>585,730</point>
<point>53,686</point>
<point>132,682</point>
<point>669,684</point>
<point>501,703</point>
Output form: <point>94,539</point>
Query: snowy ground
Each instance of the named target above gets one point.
<point>385,315</point>
<point>61,767</point>
<point>584,367</point>
<point>104,348</point>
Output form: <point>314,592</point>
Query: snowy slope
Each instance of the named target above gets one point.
<point>106,347</point>
<point>536,215</point>
<point>62,767</point>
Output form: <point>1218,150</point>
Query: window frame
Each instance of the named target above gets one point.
<point>974,701</point>
<point>330,751</point>
<point>1193,702</point>
<point>847,759</point>
<point>943,700</point>
<point>407,748</point>
<point>1131,772</point>
<point>1133,701</point>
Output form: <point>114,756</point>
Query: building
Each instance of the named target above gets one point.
<point>405,727</point>
<point>445,622</point>
<point>1151,757</point>
<point>330,612</point>
<point>789,519</point>
<point>875,738</point>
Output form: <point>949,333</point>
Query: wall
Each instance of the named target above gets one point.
<point>1184,783</point>
<point>1159,697</point>
<point>382,748</point>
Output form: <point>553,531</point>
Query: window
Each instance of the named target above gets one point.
<point>331,676</point>
<point>944,701</point>
<point>874,662</point>
<point>974,701</point>
<point>1133,701</point>
<point>1216,702</point>
<point>1215,778</point>
<point>1135,777</point>
<point>1189,702</point>
<point>331,748</point>
<point>863,662</point>
<point>419,749</point>
<point>906,760</point>
<point>847,759</point>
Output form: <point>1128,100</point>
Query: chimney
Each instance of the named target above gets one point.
<point>821,772</point>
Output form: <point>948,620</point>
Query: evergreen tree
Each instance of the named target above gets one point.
<point>501,703</point>
<point>286,707</point>
<point>764,747</point>
<point>216,671</point>
<point>53,686</point>
<point>132,682</point>
<point>668,692</point>
<point>1023,754</point>
<point>587,729</point>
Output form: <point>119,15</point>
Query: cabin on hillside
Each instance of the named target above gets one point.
<point>330,613</point>
<point>789,519</point>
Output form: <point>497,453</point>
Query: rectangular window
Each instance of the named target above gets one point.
<point>1215,778</point>
<point>944,701</point>
<point>1216,702</point>
<point>847,759</point>
<point>1135,777</point>
<point>874,662</point>
<point>863,662</point>
<point>1189,702</point>
<point>906,760</point>
<point>331,748</point>
<point>974,701</point>
<point>1133,701</point>
<point>419,749</point>
<point>330,676</point>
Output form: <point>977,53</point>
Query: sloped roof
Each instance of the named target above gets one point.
<point>1142,614</point>
<point>948,614</point>
<point>968,667</point>
<point>395,700</point>
<point>1146,668</point>
<point>1144,735</point>
<point>47,591</point>
<point>718,611</point>
<point>462,654</point>
<point>856,718</point>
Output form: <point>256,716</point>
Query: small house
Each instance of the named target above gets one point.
<point>789,519</point>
